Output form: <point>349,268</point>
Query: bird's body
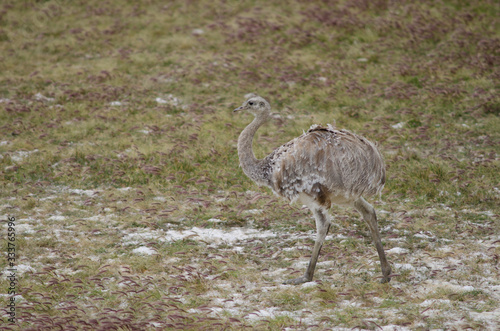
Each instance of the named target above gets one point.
<point>323,166</point>
<point>327,164</point>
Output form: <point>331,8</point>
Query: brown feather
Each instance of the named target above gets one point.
<point>327,164</point>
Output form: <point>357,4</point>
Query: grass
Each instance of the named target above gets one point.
<point>117,134</point>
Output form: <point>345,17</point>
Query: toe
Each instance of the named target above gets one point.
<point>297,281</point>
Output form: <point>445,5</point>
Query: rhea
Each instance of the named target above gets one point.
<point>322,167</point>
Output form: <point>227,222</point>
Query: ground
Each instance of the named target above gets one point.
<point>123,206</point>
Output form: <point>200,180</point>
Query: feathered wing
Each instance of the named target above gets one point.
<point>327,164</point>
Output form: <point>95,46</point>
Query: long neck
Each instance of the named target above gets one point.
<point>248,161</point>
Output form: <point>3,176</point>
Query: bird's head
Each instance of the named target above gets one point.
<point>256,105</point>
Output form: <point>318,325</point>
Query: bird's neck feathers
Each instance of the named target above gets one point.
<point>248,162</point>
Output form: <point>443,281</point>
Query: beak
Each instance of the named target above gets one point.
<point>239,108</point>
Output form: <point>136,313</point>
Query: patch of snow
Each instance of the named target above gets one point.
<point>133,238</point>
<point>215,220</point>
<point>349,303</point>
<point>490,317</point>
<point>20,155</point>
<point>41,97</point>
<point>19,269</point>
<point>57,218</point>
<point>223,302</point>
<point>19,298</point>
<point>5,142</point>
<point>277,272</point>
<point>155,324</point>
<point>99,218</point>
<point>445,249</point>
<point>404,266</point>
<point>170,100</point>
<point>432,302</point>
<point>301,264</point>
<point>215,236</point>
<point>65,234</point>
<point>22,268</point>
<point>422,235</point>
<point>219,236</point>
<point>25,228</point>
<point>197,32</point>
<point>82,192</point>
<point>253,211</point>
<point>488,213</point>
<point>143,250</point>
<point>309,284</point>
<point>399,125</point>
<point>397,250</point>
<point>394,328</point>
<point>430,285</point>
<point>115,103</point>
<point>266,313</point>
<point>124,189</point>
<point>288,249</point>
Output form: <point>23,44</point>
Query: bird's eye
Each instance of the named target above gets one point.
<point>251,103</point>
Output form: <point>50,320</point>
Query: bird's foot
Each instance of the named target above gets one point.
<point>385,280</point>
<point>297,281</point>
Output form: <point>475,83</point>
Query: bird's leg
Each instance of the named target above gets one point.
<point>370,217</point>
<point>322,227</point>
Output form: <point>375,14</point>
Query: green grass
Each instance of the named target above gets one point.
<point>116,123</point>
